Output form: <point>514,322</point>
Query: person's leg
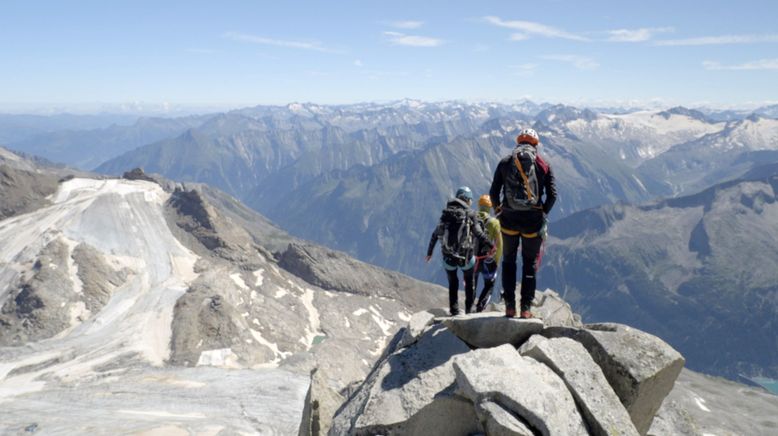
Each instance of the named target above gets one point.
<point>530,250</point>
<point>481,297</point>
<point>509,252</point>
<point>453,289</point>
<point>490,276</point>
<point>489,271</point>
<point>469,275</point>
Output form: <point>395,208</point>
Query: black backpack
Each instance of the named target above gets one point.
<point>457,238</point>
<point>483,249</point>
<point>522,189</point>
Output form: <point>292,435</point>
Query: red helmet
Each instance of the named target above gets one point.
<point>528,136</point>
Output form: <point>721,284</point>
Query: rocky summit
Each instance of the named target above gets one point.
<point>487,374</point>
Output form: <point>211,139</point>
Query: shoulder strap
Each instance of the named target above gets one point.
<point>527,188</point>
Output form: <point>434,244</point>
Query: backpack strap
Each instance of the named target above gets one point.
<point>527,188</point>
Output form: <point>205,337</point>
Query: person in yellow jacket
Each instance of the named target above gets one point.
<point>487,264</point>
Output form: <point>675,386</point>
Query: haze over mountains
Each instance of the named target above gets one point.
<point>371,179</point>
<point>387,168</point>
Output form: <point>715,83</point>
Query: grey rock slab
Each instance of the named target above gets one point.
<point>490,329</point>
<point>416,326</point>
<point>554,311</point>
<point>533,341</point>
<point>321,403</point>
<point>498,421</point>
<point>38,307</point>
<point>402,385</point>
<point>596,400</point>
<point>641,368</point>
<point>447,414</point>
<point>524,387</point>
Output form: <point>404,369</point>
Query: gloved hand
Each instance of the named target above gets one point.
<point>544,228</point>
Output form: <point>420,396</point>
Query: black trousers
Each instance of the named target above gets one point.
<point>530,253</point>
<point>488,270</point>
<point>453,289</point>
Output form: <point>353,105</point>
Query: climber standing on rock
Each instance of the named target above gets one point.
<point>520,182</point>
<point>487,260</point>
<point>458,230</point>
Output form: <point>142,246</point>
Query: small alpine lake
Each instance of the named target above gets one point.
<point>767,383</point>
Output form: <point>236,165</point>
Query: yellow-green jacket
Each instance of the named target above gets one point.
<point>491,226</point>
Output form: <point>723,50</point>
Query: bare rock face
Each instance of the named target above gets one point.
<point>490,329</point>
<point>409,389</point>
<point>321,403</point>
<point>499,421</point>
<point>22,190</point>
<point>702,404</point>
<point>524,387</point>
<point>418,323</point>
<point>532,342</point>
<point>97,277</point>
<point>208,232</point>
<point>554,311</point>
<point>604,413</point>
<point>34,310</point>
<point>335,271</point>
<point>640,367</point>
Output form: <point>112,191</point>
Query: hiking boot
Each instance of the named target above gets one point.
<point>510,312</point>
<point>454,311</point>
<point>526,314</point>
<point>480,306</point>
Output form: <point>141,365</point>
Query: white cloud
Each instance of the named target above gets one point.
<point>397,38</point>
<point>636,35</point>
<point>531,28</point>
<point>580,62</point>
<point>762,64</point>
<point>358,63</point>
<point>519,36</point>
<point>720,40</point>
<point>304,45</point>
<point>406,24</point>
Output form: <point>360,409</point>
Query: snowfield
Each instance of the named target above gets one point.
<point>124,221</point>
<point>108,355</point>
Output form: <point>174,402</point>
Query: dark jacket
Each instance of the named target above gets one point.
<point>524,221</point>
<point>476,229</point>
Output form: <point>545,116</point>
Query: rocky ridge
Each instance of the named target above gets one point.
<point>439,376</point>
<point>145,293</point>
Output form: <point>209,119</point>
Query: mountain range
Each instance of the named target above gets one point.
<point>302,161</point>
<point>697,270</point>
<point>143,305</point>
<point>371,179</point>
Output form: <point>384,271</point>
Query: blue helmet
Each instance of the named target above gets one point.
<point>464,193</point>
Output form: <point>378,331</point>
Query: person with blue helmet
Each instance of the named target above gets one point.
<point>458,231</point>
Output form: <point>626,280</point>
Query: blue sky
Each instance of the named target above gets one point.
<point>232,53</point>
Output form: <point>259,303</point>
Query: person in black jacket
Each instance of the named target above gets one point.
<point>458,230</point>
<point>520,182</point>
